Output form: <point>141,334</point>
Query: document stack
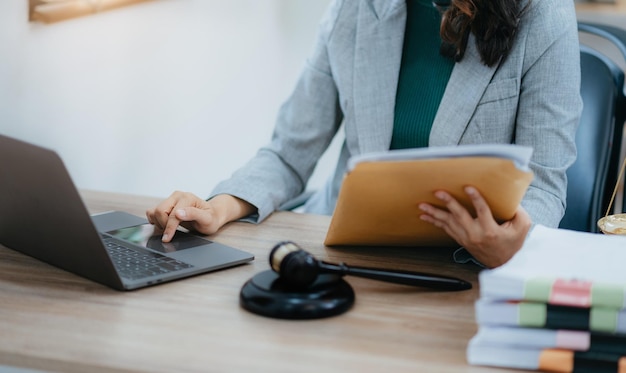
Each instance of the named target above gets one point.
<point>559,305</point>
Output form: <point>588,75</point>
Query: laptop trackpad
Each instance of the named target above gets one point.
<point>146,235</point>
<point>184,246</point>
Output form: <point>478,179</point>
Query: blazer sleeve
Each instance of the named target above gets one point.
<point>550,106</point>
<point>305,126</point>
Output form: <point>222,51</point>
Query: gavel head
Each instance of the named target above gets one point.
<point>296,267</point>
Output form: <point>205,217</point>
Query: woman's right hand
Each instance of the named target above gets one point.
<point>195,213</point>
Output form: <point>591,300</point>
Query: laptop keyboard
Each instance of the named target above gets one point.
<point>134,263</point>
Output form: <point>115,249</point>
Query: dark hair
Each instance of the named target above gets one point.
<point>493,23</point>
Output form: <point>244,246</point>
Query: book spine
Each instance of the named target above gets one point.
<point>555,360</point>
<point>545,360</point>
<point>575,293</point>
<point>541,315</point>
<point>607,343</point>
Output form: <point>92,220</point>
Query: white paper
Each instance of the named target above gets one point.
<point>519,154</point>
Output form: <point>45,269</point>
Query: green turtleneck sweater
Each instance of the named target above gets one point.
<point>424,74</point>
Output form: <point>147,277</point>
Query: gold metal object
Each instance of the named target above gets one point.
<point>616,223</point>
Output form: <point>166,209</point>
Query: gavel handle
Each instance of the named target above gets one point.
<point>398,277</point>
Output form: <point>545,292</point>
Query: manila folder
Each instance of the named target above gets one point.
<point>378,200</point>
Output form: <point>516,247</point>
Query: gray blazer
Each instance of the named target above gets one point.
<point>349,83</point>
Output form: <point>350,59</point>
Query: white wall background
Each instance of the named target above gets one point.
<point>160,96</point>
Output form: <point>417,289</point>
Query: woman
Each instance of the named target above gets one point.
<point>408,73</point>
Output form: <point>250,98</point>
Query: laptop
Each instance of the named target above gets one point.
<point>43,215</point>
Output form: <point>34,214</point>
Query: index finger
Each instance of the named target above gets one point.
<point>160,215</point>
<point>483,211</point>
<point>170,227</point>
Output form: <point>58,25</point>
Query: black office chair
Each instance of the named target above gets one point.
<point>593,176</point>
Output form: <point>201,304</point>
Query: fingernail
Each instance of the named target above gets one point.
<point>470,190</point>
<point>440,195</point>
<point>165,237</point>
<point>181,213</point>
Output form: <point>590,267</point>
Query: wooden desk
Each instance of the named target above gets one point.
<point>54,320</point>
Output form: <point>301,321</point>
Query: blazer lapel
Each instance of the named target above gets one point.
<point>465,88</point>
<point>378,53</point>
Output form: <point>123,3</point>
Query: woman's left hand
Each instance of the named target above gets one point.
<point>490,243</point>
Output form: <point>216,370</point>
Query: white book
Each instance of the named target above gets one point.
<point>537,338</point>
<point>542,315</point>
<point>562,267</point>
<point>546,360</point>
<point>500,356</point>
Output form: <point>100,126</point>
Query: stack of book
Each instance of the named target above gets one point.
<point>559,305</point>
